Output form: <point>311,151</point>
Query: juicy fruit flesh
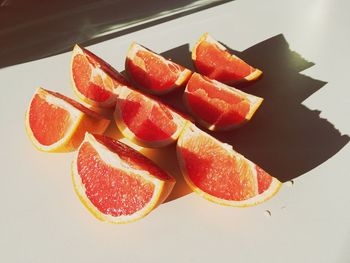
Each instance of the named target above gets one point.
<point>148,120</point>
<point>219,64</point>
<point>215,171</point>
<point>49,123</point>
<point>215,105</point>
<point>112,191</point>
<point>152,72</point>
<point>90,85</point>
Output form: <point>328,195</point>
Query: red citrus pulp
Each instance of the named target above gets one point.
<point>145,120</point>
<point>94,80</point>
<point>152,72</point>
<point>115,182</point>
<point>56,123</point>
<point>213,60</point>
<point>217,106</point>
<point>220,174</point>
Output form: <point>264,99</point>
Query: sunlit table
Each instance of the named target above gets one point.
<point>300,135</point>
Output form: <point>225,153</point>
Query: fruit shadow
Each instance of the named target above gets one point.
<point>284,137</point>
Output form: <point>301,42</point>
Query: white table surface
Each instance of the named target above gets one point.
<point>42,219</point>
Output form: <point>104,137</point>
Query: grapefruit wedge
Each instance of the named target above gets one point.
<point>56,123</point>
<point>213,60</point>
<point>93,80</point>
<point>152,72</point>
<point>145,120</point>
<point>219,174</point>
<point>217,106</point>
<point>116,183</point>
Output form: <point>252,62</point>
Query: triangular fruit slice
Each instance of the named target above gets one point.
<point>213,60</point>
<point>152,72</point>
<point>94,80</point>
<point>56,123</point>
<point>116,183</point>
<point>218,173</point>
<point>217,106</point>
<point>145,120</point>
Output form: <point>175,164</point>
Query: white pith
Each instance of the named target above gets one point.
<point>136,48</point>
<point>211,40</point>
<point>183,75</point>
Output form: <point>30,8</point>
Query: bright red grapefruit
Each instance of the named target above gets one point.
<point>56,123</point>
<point>218,173</point>
<point>217,106</point>
<point>213,60</point>
<point>152,72</point>
<point>94,80</point>
<point>145,120</point>
<point>116,183</point>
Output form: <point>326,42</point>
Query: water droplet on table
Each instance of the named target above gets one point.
<point>267,213</point>
<point>290,183</point>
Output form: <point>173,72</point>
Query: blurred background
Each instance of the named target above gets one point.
<point>33,29</point>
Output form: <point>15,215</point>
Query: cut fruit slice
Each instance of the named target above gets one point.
<point>221,175</point>
<point>116,183</point>
<point>145,120</point>
<point>217,106</point>
<point>94,80</point>
<point>153,73</point>
<point>56,123</point>
<point>213,60</point>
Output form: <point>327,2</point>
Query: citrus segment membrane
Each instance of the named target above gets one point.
<point>94,80</point>
<point>89,82</point>
<point>146,120</point>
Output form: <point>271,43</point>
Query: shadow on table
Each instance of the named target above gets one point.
<point>34,29</point>
<point>284,137</point>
